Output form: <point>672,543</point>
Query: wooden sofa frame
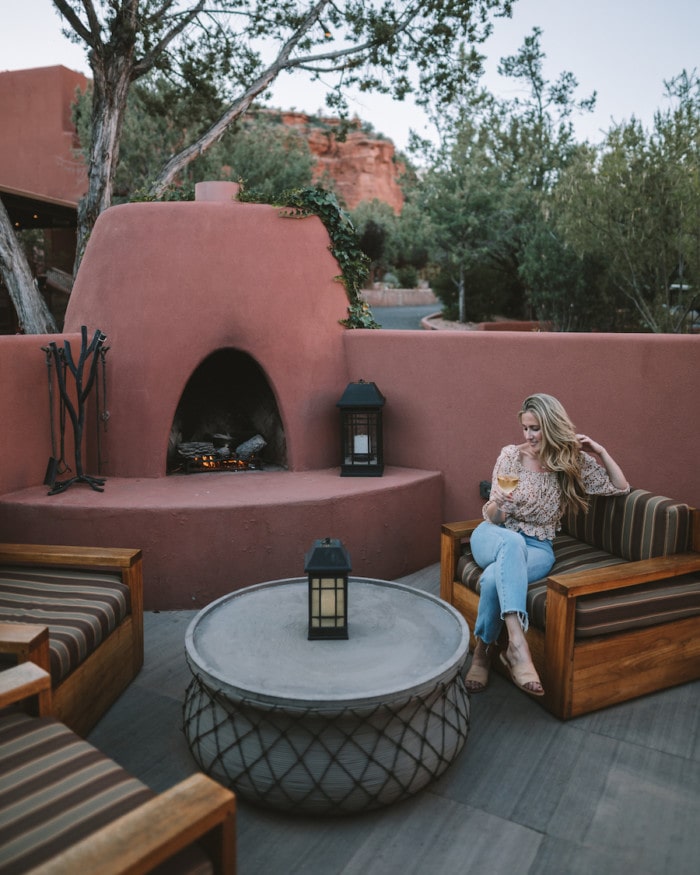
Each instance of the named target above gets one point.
<point>583,675</point>
<point>198,809</point>
<point>81,698</point>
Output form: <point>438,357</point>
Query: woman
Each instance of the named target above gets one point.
<point>550,472</point>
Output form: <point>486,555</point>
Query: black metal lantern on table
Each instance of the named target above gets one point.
<point>328,566</point>
<point>361,436</point>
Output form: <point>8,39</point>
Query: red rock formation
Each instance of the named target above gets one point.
<point>362,167</point>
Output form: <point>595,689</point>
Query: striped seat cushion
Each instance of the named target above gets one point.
<point>81,608</point>
<point>56,789</point>
<point>644,605</point>
<point>570,554</point>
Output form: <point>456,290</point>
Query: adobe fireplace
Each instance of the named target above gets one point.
<point>227,419</point>
<point>222,318</point>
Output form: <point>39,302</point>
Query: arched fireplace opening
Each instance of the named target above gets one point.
<point>227,418</point>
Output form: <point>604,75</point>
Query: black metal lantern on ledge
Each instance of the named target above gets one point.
<point>328,566</point>
<point>361,437</point>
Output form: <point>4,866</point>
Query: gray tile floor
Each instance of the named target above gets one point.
<point>613,792</point>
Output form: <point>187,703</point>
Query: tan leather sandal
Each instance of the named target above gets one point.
<point>524,677</point>
<point>477,678</point>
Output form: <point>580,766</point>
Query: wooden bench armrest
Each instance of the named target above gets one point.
<point>450,550</point>
<point>560,635</point>
<point>50,554</point>
<point>27,642</point>
<point>123,559</point>
<point>155,831</point>
<point>461,529</point>
<point>23,682</point>
<point>578,583</point>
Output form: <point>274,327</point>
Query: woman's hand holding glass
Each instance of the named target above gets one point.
<point>502,500</point>
<point>502,490</point>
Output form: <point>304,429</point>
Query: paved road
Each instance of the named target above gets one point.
<point>403,317</point>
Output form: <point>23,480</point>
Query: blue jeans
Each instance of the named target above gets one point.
<point>510,561</point>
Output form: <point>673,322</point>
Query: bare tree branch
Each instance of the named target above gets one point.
<point>238,107</point>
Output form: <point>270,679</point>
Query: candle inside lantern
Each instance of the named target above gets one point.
<point>361,444</point>
<point>328,603</point>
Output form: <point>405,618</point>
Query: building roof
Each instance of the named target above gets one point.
<point>41,172</point>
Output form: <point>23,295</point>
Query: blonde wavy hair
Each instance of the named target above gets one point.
<point>560,451</point>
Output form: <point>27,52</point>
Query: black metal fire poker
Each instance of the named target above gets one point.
<point>84,373</point>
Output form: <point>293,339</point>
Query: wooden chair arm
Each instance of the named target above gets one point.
<point>578,583</point>
<point>124,559</point>
<point>152,833</point>
<point>50,554</point>
<point>27,642</point>
<point>23,682</point>
<point>460,529</point>
<point>450,551</point>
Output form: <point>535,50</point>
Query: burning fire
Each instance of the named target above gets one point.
<point>195,456</point>
<point>211,462</point>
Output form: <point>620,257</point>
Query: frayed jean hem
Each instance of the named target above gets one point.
<point>523,619</point>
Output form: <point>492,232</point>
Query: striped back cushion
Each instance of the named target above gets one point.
<point>56,789</point>
<point>81,608</point>
<point>635,526</point>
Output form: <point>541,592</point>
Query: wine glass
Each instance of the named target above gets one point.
<point>507,480</point>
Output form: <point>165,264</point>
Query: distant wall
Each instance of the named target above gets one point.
<point>380,297</point>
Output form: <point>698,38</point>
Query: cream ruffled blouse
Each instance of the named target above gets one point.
<point>536,499</point>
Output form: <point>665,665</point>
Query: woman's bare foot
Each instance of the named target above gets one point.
<point>477,678</point>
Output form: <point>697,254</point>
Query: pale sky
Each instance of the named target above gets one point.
<point>622,49</point>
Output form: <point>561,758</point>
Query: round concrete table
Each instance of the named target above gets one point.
<point>326,727</point>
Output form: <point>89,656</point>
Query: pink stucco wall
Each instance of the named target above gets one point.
<point>171,283</point>
<point>452,400</point>
<point>25,435</point>
<point>453,397</point>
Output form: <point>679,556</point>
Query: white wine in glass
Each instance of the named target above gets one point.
<point>507,482</point>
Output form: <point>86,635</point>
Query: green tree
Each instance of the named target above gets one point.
<point>409,246</point>
<point>534,142</point>
<point>457,195</point>
<point>541,133</point>
<point>375,222</point>
<point>636,208</point>
<point>489,185</point>
<point>267,156</point>
<point>565,289</point>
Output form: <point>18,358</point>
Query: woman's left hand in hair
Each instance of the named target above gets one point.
<point>615,474</point>
<point>589,444</point>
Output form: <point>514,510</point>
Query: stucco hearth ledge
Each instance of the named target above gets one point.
<point>205,535</point>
